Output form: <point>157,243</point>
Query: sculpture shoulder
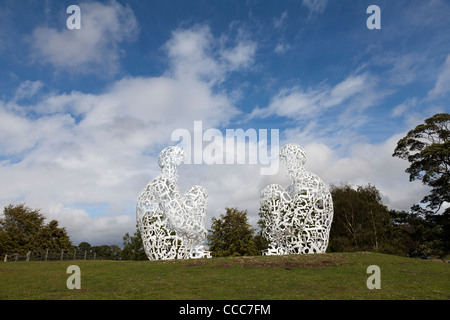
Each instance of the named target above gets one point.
<point>158,185</point>
<point>274,191</point>
<point>312,180</point>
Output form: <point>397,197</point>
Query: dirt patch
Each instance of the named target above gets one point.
<point>196,263</point>
<point>289,265</point>
<point>224,265</point>
<point>7,270</point>
<point>287,262</point>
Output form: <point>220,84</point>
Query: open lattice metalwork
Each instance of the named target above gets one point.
<point>296,219</point>
<point>171,224</point>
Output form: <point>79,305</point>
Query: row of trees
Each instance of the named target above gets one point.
<point>361,223</point>
<point>22,229</point>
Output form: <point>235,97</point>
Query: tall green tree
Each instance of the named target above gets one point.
<point>84,246</point>
<point>361,222</point>
<point>232,235</point>
<point>23,229</point>
<point>53,236</point>
<point>133,248</point>
<point>110,252</point>
<point>427,148</point>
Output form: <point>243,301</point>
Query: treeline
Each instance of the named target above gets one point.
<point>361,222</point>
<point>22,229</point>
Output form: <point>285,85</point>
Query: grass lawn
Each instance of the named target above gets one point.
<point>293,277</point>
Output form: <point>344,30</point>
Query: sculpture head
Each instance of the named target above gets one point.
<point>294,157</point>
<point>170,158</point>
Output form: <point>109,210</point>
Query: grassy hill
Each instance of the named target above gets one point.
<point>321,276</point>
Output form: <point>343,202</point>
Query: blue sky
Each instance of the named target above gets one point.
<point>84,113</point>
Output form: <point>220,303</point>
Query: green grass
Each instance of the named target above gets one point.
<point>322,276</point>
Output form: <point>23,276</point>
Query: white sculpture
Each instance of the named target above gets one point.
<point>298,219</point>
<point>171,225</point>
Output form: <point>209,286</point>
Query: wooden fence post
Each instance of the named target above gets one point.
<point>46,255</point>
<point>62,254</point>
<point>28,256</point>
<point>6,258</point>
<point>85,251</point>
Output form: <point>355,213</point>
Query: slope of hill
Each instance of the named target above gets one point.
<point>292,277</point>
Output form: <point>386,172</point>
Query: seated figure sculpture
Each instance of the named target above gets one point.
<point>171,225</point>
<point>296,219</point>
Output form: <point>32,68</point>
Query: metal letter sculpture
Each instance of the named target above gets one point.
<point>298,219</point>
<point>171,225</point>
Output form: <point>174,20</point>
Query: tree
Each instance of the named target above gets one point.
<point>22,229</point>
<point>84,246</point>
<point>54,237</point>
<point>360,221</point>
<point>261,243</point>
<point>19,228</point>
<point>415,236</point>
<point>111,252</point>
<point>232,235</point>
<point>133,248</point>
<point>427,148</point>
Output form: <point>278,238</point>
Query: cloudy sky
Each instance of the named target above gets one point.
<point>84,113</point>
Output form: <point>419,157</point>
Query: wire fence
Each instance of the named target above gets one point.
<point>54,255</point>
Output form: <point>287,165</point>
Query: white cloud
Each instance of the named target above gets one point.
<point>241,56</point>
<point>350,87</point>
<point>315,6</point>
<point>354,93</point>
<point>191,55</point>
<point>80,150</point>
<point>400,69</point>
<point>28,89</point>
<point>442,85</point>
<point>92,49</point>
<point>15,132</point>
<point>405,69</point>
<point>279,22</point>
<point>282,47</point>
<point>195,53</point>
<point>292,103</point>
<point>81,226</point>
